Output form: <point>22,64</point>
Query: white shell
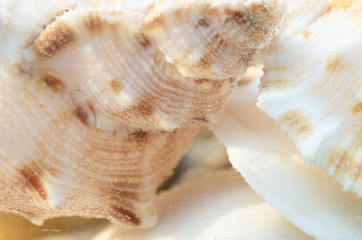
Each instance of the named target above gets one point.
<point>268,161</point>
<point>312,87</point>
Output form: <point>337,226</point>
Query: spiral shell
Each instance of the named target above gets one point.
<point>100,99</point>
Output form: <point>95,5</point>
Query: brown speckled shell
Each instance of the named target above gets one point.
<point>100,99</point>
<point>53,164</point>
<point>174,68</point>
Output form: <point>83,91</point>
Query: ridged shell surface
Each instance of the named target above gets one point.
<point>312,86</point>
<point>174,67</point>
<point>96,111</point>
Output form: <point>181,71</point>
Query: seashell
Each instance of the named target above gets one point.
<point>300,14</point>
<point>312,87</point>
<point>53,164</point>
<point>223,206</point>
<point>96,111</point>
<point>157,60</point>
<point>270,164</point>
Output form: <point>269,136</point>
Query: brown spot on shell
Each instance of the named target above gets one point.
<point>54,38</point>
<point>121,191</point>
<point>200,119</point>
<point>216,40</point>
<point>306,33</point>
<point>357,108</point>
<point>339,4</point>
<point>179,12</point>
<point>247,58</point>
<point>81,114</point>
<point>211,11</point>
<point>214,47</point>
<point>203,22</point>
<point>125,214</point>
<point>218,84</point>
<point>236,16</point>
<point>358,172</point>
<point>61,12</point>
<point>144,41</point>
<point>201,80</point>
<point>139,136</point>
<point>55,84</point>
<point>33,181</point>
<point>232,80</point>
<point>84,112</point>
<point>205,61</point>
<point>144,108</point>
<point>94,22</point>
<point>338,161</point>
<point>257,7</point>
<point>296,123</point>
<point>155,21</point>
<point>344,159</point>
<point>23,69</point>
<point>116,86</point>
<point>333,64</point>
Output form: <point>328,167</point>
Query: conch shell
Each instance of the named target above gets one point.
<point>100,99</point>
<point>312,86</point>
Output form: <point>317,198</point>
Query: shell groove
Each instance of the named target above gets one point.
<point>312,86</point>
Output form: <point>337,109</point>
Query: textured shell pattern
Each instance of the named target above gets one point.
<point>312,87</point>
<point>99,99</point>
